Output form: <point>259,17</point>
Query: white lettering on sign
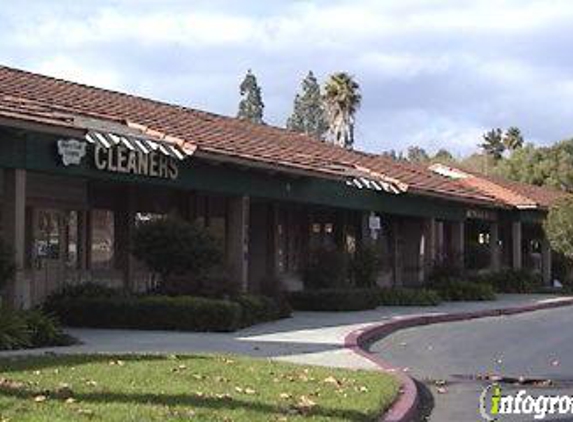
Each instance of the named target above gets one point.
<point>72,151</point>
<point>122,160</point>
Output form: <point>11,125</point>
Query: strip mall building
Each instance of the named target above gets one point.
<point>79,165</point>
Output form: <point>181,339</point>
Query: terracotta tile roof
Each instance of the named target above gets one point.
<point>511,193</point>
<point>47,100</point>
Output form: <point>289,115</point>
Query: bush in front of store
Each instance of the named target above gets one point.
<point>408,297</point>
<point>454,290</point>
<point>364,266</point>
<point>511,281</point>
<point>180,253</point>
<point>30,329</point>
<point>342,299</point>
<point>182,313</point>
<point>326,269</point>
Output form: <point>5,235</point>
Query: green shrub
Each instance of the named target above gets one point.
<point>45,329</point>
<point>326,269</point>
<point>7,265</point>
<point>14,332</point>
<point>334,299</point>
<point>256,309</point>
<point>461,290</point>
<point>511,281</point>
<point>365,265</point>
<point>151,313</point>
<point>171,248</point>
<point>408,297</point>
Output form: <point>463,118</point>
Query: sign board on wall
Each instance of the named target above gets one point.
<point>119,159</point>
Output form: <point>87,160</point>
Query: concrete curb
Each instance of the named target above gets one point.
<point>405,408</point>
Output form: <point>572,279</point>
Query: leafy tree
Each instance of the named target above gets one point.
<point>172,248</point>
<point>417,155</point>
<point>493,144</point>
<point>308,115</point>
<point>545,166</point>
<point>513,139</point>
<point>443,156</point>
<point>251,106</point>
<point>559,227</point>
<point>342,99</point>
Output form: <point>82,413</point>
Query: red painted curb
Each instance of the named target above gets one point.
<point>405,408</point>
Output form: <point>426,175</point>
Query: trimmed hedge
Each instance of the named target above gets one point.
<point>257,309</point>
<point>408,297</point>
<point>511,281</point>
<point>459,290</point>
<point>335,299</point>
<point>182,313</point>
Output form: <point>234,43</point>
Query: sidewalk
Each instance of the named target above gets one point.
<point>316,338</point>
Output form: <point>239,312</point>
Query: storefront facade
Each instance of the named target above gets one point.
<point>72,189</point>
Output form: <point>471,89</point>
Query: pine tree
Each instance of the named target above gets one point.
<point>251,106</point>
<point>308,114</point>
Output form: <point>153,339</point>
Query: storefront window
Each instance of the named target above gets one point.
<point>47,242</point>
<point>103,238</point>
<point>72,235</point>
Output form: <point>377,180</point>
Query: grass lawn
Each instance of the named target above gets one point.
<point>186,387</point>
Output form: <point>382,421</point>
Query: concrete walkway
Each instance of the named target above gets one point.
<point>308,337</point>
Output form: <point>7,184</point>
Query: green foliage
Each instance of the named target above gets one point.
<point>308,115</point>
<point>29,329</point>
<point>151,313</point>
<point>251,106</point>
<point>461,290</point>
<point>559,227</point>
<point>365,265</point>
<point>417,155</point>
<point>326,269</point>
<point>257,309</point>
<point>348,299</point>
<point>173,248</point>
<point>513,139</point>
<point>342,99</point>
<point>443,156</point>
<point>510,281</point>
<point>408,297</point>
<point>7,265</point>
<point>45,330</point>
<point>493,144</point>
<point>166,312</point>
<point>14,332</point>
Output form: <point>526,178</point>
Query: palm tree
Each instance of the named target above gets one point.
<point>342,99</point>
<point>513,139</point>
<point>493,145</point>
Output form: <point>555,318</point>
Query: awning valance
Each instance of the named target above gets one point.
<point>144,145</point>
<point>377,185</point>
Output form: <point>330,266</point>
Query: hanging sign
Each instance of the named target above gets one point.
<point>72,151</point>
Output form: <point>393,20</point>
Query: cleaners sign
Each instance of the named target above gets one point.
<point>119,159</point>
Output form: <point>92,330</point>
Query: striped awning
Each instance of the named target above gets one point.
<point>144,145</point>
<point>377,185</point>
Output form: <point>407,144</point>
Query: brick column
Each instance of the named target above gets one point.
<point>495,250</point>
<point>238,239</point>
<point>14,233</point>
<point>516,240</point>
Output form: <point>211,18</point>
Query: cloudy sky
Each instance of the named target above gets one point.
<point>434,73</point>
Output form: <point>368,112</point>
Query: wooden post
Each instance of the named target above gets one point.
<point>459,242</point>
<point>494,247</point>
<point>238,239</point>
<point>14,233</point>
<point>516,240</point>
<point>397,255</point>
<point>546,261</point>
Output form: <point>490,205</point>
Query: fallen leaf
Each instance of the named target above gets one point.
<point>40,398</point>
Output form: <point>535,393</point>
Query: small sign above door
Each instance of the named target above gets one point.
<point>72,151</point>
